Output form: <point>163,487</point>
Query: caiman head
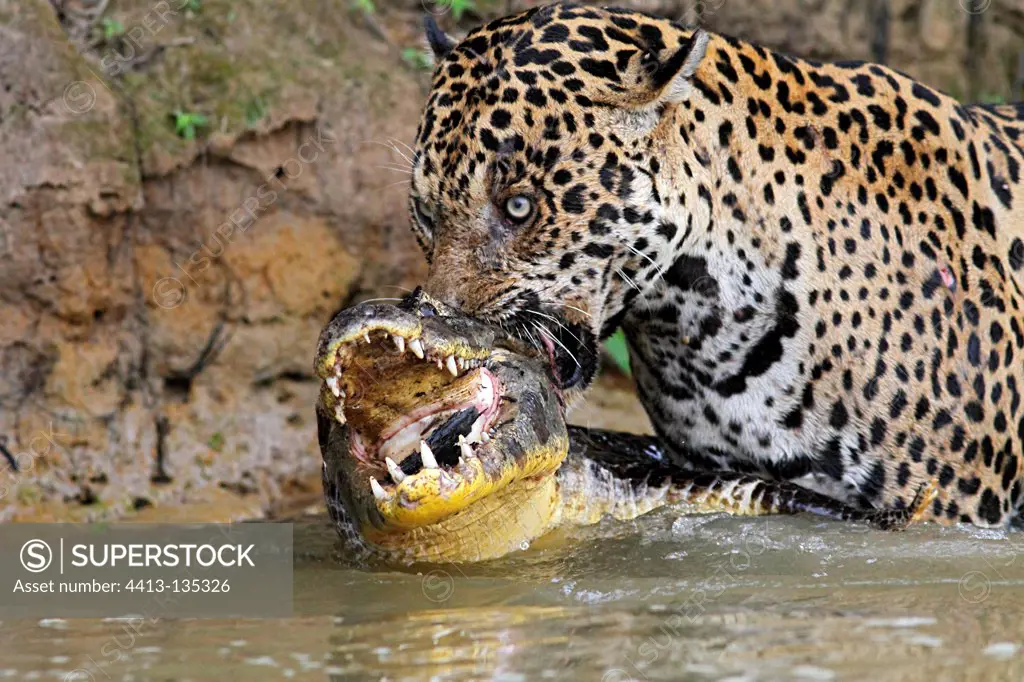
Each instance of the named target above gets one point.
<point>441,436</point>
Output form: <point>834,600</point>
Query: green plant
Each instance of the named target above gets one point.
<point>112,28</point>
<point>187,124</point>
<point>216,441</point>
<point>992,98</point>
<point>193,6</point>
<point>416,58</point>
<point>618,349</point>
<point>255,111</point>
<point>458,7</point>
<point>364,6</point>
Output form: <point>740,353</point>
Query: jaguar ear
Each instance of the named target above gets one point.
<point>440,42</point>
<point>671,79</point>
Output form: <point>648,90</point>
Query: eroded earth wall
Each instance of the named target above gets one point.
<point>187,196</point>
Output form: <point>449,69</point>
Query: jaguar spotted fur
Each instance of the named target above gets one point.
<point>819,266</point>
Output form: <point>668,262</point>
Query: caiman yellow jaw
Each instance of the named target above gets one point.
<point>432,438</point>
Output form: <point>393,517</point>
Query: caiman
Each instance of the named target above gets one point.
<point>444,439</point>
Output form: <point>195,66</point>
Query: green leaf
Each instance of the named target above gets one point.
<point>618,349</point>
<point>415,58</point>
<point>365,6</point>
<point>216,441</point>
<point>254,112</point>
<point>112,28</point>
<point>187,124</point>
<point>458,7</point>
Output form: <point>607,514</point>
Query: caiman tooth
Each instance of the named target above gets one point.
<point>339,414</point>
<point>366,337</point>
<point>416,346</point>
<point>460,363</point>
<point>397,475</point>
<point>378,491</point>
<point>485,437</point>
<point>400,343</point>
<point>465,448</point>
<point>427,456</point>
<point>452,367</point>
<point>332,383</point>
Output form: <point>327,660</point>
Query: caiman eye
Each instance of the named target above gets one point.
<point>519,208</point>
<point>424,216</point>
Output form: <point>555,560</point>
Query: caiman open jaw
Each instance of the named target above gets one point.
<point>435,446</point>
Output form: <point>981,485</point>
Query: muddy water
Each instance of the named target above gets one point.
<point>661,598</point>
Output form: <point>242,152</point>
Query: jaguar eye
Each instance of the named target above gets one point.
<point>519,208</point>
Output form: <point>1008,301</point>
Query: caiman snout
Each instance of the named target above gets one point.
<point>422,429</point>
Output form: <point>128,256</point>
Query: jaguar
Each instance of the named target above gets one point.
<point>818,266</point>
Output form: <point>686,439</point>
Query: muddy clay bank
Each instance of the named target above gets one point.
<point>187,197</point>
<point>161,296</point>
